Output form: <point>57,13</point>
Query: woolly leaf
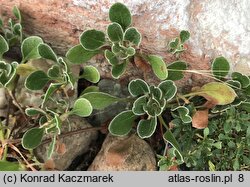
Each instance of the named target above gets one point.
<point>10,166</point>
<point>118,70</point>
<point>159,66</point>
<point>46,52</point>
<point>100,100</point>
<point>220,67</point>
<point>243,79</point>
<point>119,13</point>
<point>54,71</point>
<point>90,89</point>
<point>17,13</point>
<point>4,47</point>
<point>51,89</point>
<point>82,107</point>
<point>79,55</point>
<point>122,124</point>
<point>111,57</point>
<point>29,48</point>
<point>168,89</point>
<point>91,74</point>
<point>184,114</point>
<point>32,138</point>
<point>92,39</point>
<point>132,35</point>
<point>175,70</point>
<point>115,32</point>
<point>184,36</point>
<point>34,111</point>
<point>146,128</point>
<point>138,105</point>
<point>138,87</point>
<point>36,80</point>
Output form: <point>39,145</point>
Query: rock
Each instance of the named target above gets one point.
<point>128,153</point>
<point>75,145</point>
<point>217,28</point>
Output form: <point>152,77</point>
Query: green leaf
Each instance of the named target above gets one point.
<point>168,89</point>
<point>54,71</point>
<point>51,147</point>
<point>174,43</point>
<point>220,67</point>
<point>46,52</point>
<point>234,84</point>
<point>51,89</point>
<point>133,35</point>
<point>10,166</point>
<point>90,89</point>
<point>218,93</point>
<point>138,105</point>
<point>159,66</point>
<point>115,32</point>
<point>17,13</point>
<point>119,13</point>
<point>245,106</point>
<point>184,36</point>
<point>91,74</point>
<point>29,48</point>
<point>111,57</point>
<point>175,70</point>
<point>32,138</point>
<point>153,107</point>
<point>184,114</point>
<point>138,87</point>
<point>155,92</point>
<point>169,137</point>
<point>122,124</point>
<point>130,51</point>
<point>146,128</point>
<point>4,47</point>
<point>118,70</point>
<point>79,55</point>
<point>36,80</point>
<point>34,111</point>
<point>206,132</point>
<point>243,79</point>
<point>100,100</point>
<point>82,107</point>
<point>92,39</point>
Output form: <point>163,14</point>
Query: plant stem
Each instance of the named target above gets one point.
<point>162,122</point>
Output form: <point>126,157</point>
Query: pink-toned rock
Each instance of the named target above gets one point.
<point>217,28</point>
<point>128,153</point>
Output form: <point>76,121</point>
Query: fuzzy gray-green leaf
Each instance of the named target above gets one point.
<point>115,32</point>
<point>138,87</point>
<point>29,48</point>
<point>220,67</point>
<point>159,66</point>
<point>91,74</point>
<point>32,138</point>
<point>82,107</point>
<point>175,70</point>
<point>168,88</point>
<point>92,39</point>
<point>46,52</point>
<point>118,70</point>
<point>36,80</point>
<point>4,47</point>
<point>146,128</point>
<point>132,35</point>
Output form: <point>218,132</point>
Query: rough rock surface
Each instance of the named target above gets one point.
<point>124,154</point>
<point>217,27</point>
<point>76,144</point>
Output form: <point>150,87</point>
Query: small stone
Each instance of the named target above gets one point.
<point>75,145</point>
<point>128,153</point>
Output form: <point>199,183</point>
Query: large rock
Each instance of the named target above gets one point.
<point>128,153</point>
<point>75,145</point>
<point>217,27</point>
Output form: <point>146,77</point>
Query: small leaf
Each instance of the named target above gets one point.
<point>91,74</point>
<point>133,35</point>
<point>36,80</point>
<point>243,79</point>
<point>200,119</point>
<point>10,166</point>
<point>122,124</point>
<point>169,137</point>
<point>245,106</point>
<point>51,89</point>
<point>46,52</point>
<point>82,107</point>
<point>184,114</point>
<point>34,111</point>
<point>175,70</point>
<point>115,32</point>
<point>100,100</point>
<point>220,67</point>
<point>119,13</point>
<point>17,13</point>
<point>153,108</point>
<point>206,132</point>
<point>138,105</point>
<point>25,69</point>
<point>168,89</point>
<point>90,89</point>
<point>146,128</point>
<point>218,93</point>
<point>79,55</point>
<point>111,57</point>
<point>159,66</point>
<point>51,147</point>
<point>92,39</point>
<point>118,70</point>
<point>184,36</point>
<point>54,71</point>
<point>29,48</point>
<point>234,84</point>
<point>138,87</point>
<point>4,47</point>
<point>130,51</point>
<point>32,138</point>
<point>174,43</point>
